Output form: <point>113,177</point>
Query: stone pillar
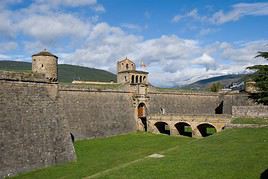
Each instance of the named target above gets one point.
<point>195,131</point>
<point>173,129</point>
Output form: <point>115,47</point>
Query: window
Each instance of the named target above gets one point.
<point>132,79</point>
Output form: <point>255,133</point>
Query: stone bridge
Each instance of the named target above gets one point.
<point>187,125</point>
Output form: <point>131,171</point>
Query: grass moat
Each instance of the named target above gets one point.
<point>233,153</point>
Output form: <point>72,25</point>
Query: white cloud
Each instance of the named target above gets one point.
<point>170,60</point>
<point>240,10</point>
<point>8,46</point>
<point>132,26</point>
<point>103,47</point>
<point>206,31</point>
<point>191,14</point>
<point>177,18</point>
<point>220,17</point>
<point>4,57</point>
<point>5,3</point>
<point>73,3</point>
<point>205,60</point>
<point>6,25</point>
<point>49,28</point>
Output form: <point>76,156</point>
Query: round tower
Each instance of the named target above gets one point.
<point>45,63</point>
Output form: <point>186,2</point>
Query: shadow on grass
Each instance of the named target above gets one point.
<point>264,175</point>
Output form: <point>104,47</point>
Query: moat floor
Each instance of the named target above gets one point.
<point>233,153</point>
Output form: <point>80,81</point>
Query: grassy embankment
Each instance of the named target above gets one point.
<point>233,153</point>
<point>258,121</point>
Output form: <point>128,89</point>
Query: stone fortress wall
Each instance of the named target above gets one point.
<point>97,113</point>
<point>34,133</point>
<point>38,114</point>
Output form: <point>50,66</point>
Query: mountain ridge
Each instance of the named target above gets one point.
<point>225,80</point>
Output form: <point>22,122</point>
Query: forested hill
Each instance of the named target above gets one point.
<point>67,73</point>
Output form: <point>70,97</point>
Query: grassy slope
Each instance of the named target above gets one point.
<point>15,66</point>
<point>99,154</point>
<point>234,153</point>
<point>250,120</point>
<point>67,73</point>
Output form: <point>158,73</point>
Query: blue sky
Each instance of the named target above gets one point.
<point>180,41</point>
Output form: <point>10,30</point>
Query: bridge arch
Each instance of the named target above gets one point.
<point>184,128</point>
<point>162,127</point>
<point>206,129</point>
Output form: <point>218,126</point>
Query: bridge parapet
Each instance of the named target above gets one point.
<point>195,122</point>
<point>192,118</point>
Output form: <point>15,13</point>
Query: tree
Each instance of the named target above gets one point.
<point>260,76</point>
<point>215,87</point>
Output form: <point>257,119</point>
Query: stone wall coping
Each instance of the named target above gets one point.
<point>24,77</point>
<point>246,125</point>
<point>183,93</point>
<point>90,89</point>
<point>191,115</point>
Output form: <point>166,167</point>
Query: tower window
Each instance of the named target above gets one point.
<point>127,66</point>
<point>132,79</point>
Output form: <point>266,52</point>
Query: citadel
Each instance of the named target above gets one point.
<point>41,118</point>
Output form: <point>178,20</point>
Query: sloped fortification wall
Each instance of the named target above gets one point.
<point>33,132</point>
<point>183,103</point>
<point>250,111</point>
<point>235,100</point>
<point>96,113</point>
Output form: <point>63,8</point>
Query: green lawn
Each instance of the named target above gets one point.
<point>249,120</point>
<point>233,153</point>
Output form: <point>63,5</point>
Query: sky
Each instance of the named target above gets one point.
<point>179,41</point>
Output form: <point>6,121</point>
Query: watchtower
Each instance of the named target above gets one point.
<point>46,63</point>
<point>127,73</point>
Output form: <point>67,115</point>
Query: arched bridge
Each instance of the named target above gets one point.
<point>187,125</point>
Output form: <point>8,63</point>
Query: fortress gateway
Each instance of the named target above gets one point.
<point>38,115</point>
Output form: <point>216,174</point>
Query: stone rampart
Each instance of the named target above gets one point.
<point>250,111</point>
<point>23,76</point>
<point>34,133</point>
<point>183,103</point>
<point>96,113</point>
<point>230,100</point>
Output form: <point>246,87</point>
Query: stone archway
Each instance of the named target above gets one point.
<point>206,129</point>
<point>142,116</point>
<point>184,129</point>
<point>162,127</point>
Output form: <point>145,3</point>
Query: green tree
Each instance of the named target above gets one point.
<point>260,76</point>
<point>215,87</point>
